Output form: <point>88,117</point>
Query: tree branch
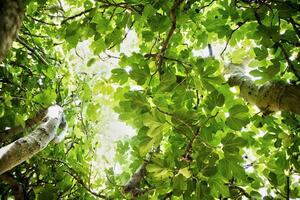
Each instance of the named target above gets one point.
<point>75,175</point>
<point>269,97</point>
<point>33,51</point>
<point>24,148</point>
<point>132,186</point>
<point>189,146</point>
<point>76,15</point>
<point>287,188</point>
<point>295,26</point>
<point>30,123</point>
<point>230,36</point>
<point>149,55</point>
<point>288,60</point>
<point>159,56</point>
<point>16,187</point>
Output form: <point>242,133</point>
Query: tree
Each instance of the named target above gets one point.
<point>197,137</point>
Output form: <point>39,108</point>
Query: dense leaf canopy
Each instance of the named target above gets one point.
<point>196,138</point>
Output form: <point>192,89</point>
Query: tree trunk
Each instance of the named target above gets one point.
<point>268,97</point>
<point>11,15</point>
<point>24,148</point>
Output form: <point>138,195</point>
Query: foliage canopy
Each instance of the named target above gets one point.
<point>195,137</point>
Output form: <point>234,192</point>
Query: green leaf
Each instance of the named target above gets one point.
<point>19,120</point>
<point>98,46</point>
<point>273,178</point>
<point>236,123</point>
<point>119,75</point>
<point>238,117</point>
<point>261,53</point>
<point>167,81</point>
<point>46,98</point>
<point>140,75</point>
<point>179,184</point>
<point>232,143</point>
<point>230,167</point>
<point>218,187</point>
<point>147,36</point>
<point>91,62</point>
<point>210,171</point>
<point>93,111</point>
<point>214,99</point>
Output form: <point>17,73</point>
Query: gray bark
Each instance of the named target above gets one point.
<point>24,148</point>
<point>269,97</point>
<point>16,131</point>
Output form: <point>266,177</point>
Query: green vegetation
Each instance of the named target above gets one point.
<point>196,137</point>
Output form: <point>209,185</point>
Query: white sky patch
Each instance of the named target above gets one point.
<point>263,191</point>
<point>261,133</point>
<point>217,48</point>
<point>130,44</point>
<point>251,158</point>
<point>256,109</point>
<point>135,87</point>
<point>247,71</point>
<point>54,111</point>
<point>226,114</point>
<point>111,131</point>
<point>233,89</point>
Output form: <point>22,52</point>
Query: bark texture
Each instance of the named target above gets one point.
<point>269,97</point>
<point>11,15</point>
<point>16,131</point>
<point>24,148</point>
<point>133,184</point>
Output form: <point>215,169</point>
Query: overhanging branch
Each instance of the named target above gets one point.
<point>24,148</point>
<point>269,97</point>
<point>160,55</point>
<point>30,123</point>
<point>33,51</point>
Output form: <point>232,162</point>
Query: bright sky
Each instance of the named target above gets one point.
<point>111,128</point>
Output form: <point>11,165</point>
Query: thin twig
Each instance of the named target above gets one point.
<point>210,51</point>
<point>230,36</point>
<point>77,15</point>
<point>207,5</point>
<point>124,37</point>
<point>32,50</point>
<point>190,144</point>
<point>75,175</point>
<point>43,22</point>
<point>149,55</point>
<point>288,60</point>
<point>287,188</point>
<point>295,26</point>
